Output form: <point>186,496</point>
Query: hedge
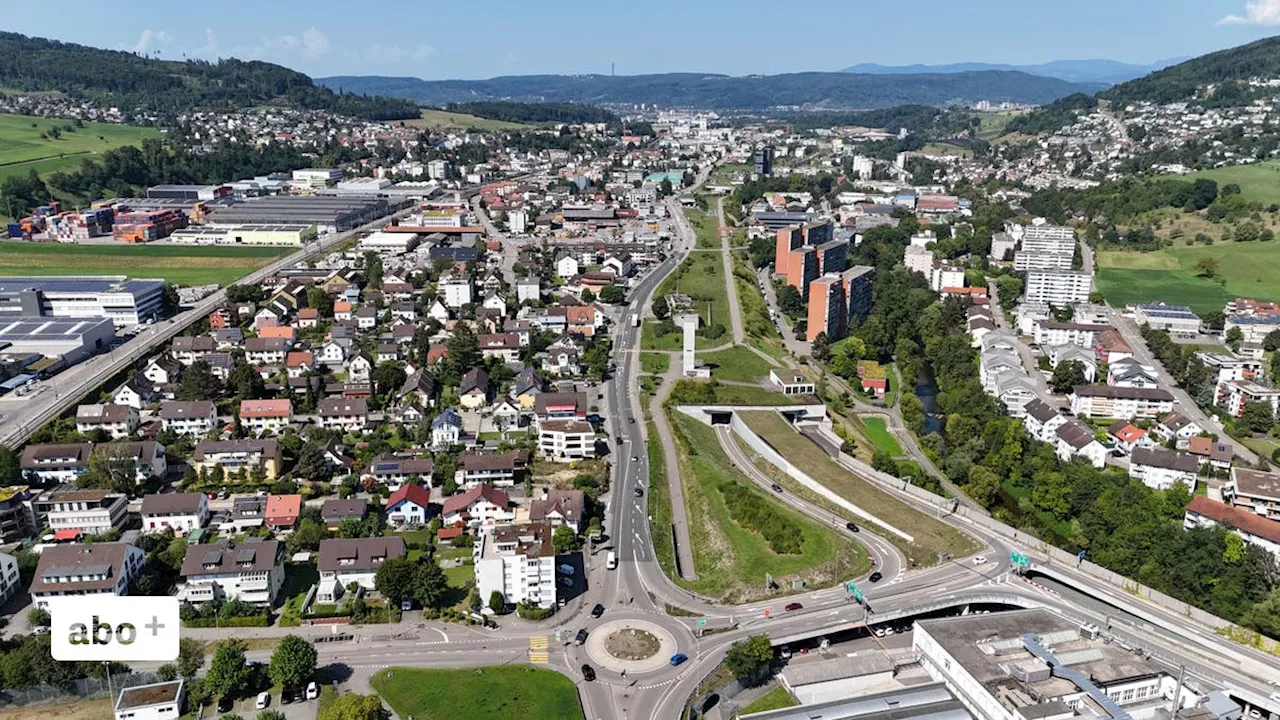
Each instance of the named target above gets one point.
<point>246,621</point>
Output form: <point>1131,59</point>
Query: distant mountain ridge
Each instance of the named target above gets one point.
<point>814,90</point>
<point>1109,72</point>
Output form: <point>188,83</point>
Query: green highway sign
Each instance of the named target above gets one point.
<point>852,588</point>
<point>1019,559</point>
<point>702,622</point>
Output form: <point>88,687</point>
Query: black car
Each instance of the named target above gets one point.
<point>225,704</point>
<point>588,673</point>
<point>597,611</point>
<point>777,488</point>
<point>851,527</point>
<point>875,576</point>
<point>581,637</point>
<point>639,492</point>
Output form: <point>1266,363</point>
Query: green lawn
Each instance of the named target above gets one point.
<point>509,692</point>
<point>701,277</point>
<point>1246,269</point>
<point>655,363</point>
<point>931,535</point>
<point>705,225</point>
<point>775,699</point>
<point>22,149</point>
<point>740,395</point>
<point>178,264</point>
<point>736,364</point>
<point>445,120</point>
<point>1259,182</point>
<point>731,560</point>
<point>879,435</point>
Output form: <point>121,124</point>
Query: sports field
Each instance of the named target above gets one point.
<point>444,120</point>
<point>22,149</point>
<point>1245,270</point>
<point>1259,182</point>
<point>180,265</point>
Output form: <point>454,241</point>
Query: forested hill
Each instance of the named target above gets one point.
<point>1186,80</point>
<point>535,112</point>
<point>721,92</point>
<point>131,82</point>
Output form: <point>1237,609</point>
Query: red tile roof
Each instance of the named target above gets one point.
<point>458,502</point>
<point>413,493</point>
<point>265,408</point>
<point>1242,520</point>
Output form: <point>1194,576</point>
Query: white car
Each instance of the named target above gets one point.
<point>264,698</point>
<point>980,560</point>
<point>313,690</point>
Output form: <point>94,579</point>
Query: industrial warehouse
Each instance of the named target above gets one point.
<point>66,339</point>
<point>257,234</point>
<point>125,302</point>
<point>333,213</point>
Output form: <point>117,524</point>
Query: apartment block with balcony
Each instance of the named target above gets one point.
<point>1257,492</point>
<point>85,569</point>
<point>91,512</point>
<point>249,571</point>
<point>517,561</point>
<point>565,440</point>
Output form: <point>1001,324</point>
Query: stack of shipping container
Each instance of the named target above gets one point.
<point>145,226</point>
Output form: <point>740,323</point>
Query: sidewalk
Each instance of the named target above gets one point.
<point>671,460</point>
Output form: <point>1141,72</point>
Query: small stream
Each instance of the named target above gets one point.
<point>927,391</point>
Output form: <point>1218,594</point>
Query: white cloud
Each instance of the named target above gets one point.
<point>395,53</point>
<point>149,39</point>
<point>314,42</point>
<point>210,47</point>
<point>1256,12</point>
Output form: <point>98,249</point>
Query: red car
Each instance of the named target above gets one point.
<point>793,606</point>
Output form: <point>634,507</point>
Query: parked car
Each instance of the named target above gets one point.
<point>791,607</point>
<point>313,690</point>
<point>635,458</point>
<point>875,577</point>
<point>581,637</point>
<point>264,699</point>
<point>225,703</point>
<point>565,569</point>
<point>678,658</point>
<point>597,611</point>
<point>785,652</point>
<point>566,581</point>
<point>588,673</point>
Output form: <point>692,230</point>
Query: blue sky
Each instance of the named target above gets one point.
<point>438,40</point>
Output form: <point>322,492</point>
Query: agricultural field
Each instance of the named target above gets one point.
<point>1259,182</point>
<point>1244,270</point>
<point>931,535</point>
<point>178,264</point>
<point>444,120</point>
<point>22,149</point>
<point>509,692</point>
<point>732,557</point>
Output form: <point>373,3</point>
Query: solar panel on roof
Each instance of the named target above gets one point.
<point>386,467</point>
<point>212,557</point>
<point>246,555</point>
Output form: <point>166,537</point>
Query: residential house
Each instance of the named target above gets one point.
<point>1075,439</point>
<point>187,350</point>
<point>332,354</point>
<point>1128,436</point>
<point>505,414</point>
<point>1125,403</point>
<point>367,317</point>
<point>526,388</point>
<point>1178,428</point>
<point>1234,396</point>
<point>283,511</point>
<point>409,506</point>
<point>146,459</point>
<point>117,421</point>
<point>336,413</point>
<point>446,429</point>
<point>136,393</point>
<point>183,512</point>
<point>497,469</point>
<point>335,510</point>
<point>265,416</point>
<point>1255,530</point>
<point>518,562</point>
<point>1131,374</point>
<point>560,507</point>
<point>473,391</point>
<point>85,569</point>
<point>1159,469</point>
<point>251,571</point>
<point>392,470</point>
<point>566,440</point>
<point>1218,454</point>
<point>359,368</point>
<point>189,417</point>
<point>248,455</point>
<point>266,351</point>
<point>1254,491</point>
<point>343,562</point>
<point>567,267</point>
<point>248,512</point>
<point>1042,421</point>
<point>163,371</point>
<point>298,363</point>
<point>481,506</point>
<point>55,464</point>
<point>561,406</point>
<point>504,346</point>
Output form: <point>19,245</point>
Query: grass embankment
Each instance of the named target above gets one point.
<point>444,120</point>
<point>512,692</point>
<point>931,535</point>
<point>878,433</point>
<point>776,699</point>
<point>760,330</point>
<point>701,277</point>
<point>23,150</point>
<point>730,556</point>
<point>178,264</point>
<point>706,226</point>
<point>737,364</point>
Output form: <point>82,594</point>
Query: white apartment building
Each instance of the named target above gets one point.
<point>10,582</point>
<point>1254,328</point>
<point>565,440</point>
<point>343,562</point>
<point>1254,529</point>
<point>195,417</point>
<point>181,512</point>
<point>117,421</point>
<point>92,512</point>
<point>1073,438</point>
<point>918,259</point>
<point>945,275</point>
<point>1067,333</point>
<point>1057,287</point>
<point>265,416</point>
<point>56,464</point>
<point>519,562</point>
<point>528,289</point>
<point>1122,403</point>
<point>248,571</point>
<point>1159,469</point>
<point>347,415</point>
<point>455,291</point>
<point>85,569</point>
<point>1254,491</point>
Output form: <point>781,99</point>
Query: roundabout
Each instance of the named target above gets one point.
<point>631,646</point>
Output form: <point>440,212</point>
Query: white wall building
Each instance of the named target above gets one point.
<point>183,512</point>
<point>519,562</point>
<point>1159,469</point>
<point>343,562</point>
<point>1057,287</point>
<point>248,571</point>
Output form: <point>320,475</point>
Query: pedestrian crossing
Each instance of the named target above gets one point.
<point>538,652</point>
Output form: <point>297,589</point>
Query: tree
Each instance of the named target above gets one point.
<point>372,270</point>
<point>983,486</point>
<point>661,309</point>
<point>1009,289</point>
<point>190,657</point>
<point>293,662</point>
<point>270,715</point>
<point>199,383</point>
<point>395,579</point>
<point>319,300</point>
<point>1207,267</point>
<point>1235,336</point>
<point>228,675</point>
<point>167,672</point>
<point>245,382</point>
<point>1272,341</point>
<point>563,539</point>
<point>611,294</point>
<point>307,536</point>
<point>790,302</point>
<point>430,584</point>
<point>312,464</point>
<point>352,706</point>
<point>747,658</point>
<point>10,469</point>
<point>1067,375</point>
<point>497,603</point>
<point>111,467</point>
<point>588,296</point>
<point>463,350</point>
<point>387,378</point>
<point>1257,417</point>
<point>819,350</point>
<point>38,617</point>
<point>351,527</point>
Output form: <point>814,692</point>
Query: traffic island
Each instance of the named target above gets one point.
<point>631,646</point>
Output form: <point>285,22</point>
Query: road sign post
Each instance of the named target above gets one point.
<point>851,588</point>
<point>1020,560</point>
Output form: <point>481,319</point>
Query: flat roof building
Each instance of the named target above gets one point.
<point>338,212</point>
<point>70,339</point>
<point>125,302</point>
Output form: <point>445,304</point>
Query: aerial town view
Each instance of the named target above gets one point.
<point>633,363</point>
